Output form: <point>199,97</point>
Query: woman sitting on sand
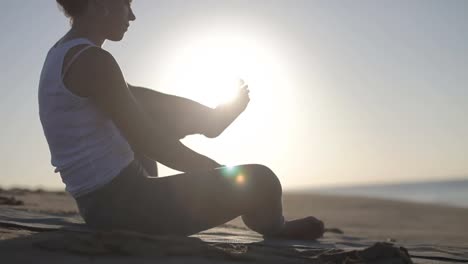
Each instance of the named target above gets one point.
<point>105,135</point>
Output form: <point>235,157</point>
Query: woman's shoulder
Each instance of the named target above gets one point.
<point>84,63</point>
<point>87,55</point>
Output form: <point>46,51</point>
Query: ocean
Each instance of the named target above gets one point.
<point>453,192</point>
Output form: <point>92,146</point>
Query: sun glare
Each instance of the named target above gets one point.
<point>209,68</point>
<point>206,67</point>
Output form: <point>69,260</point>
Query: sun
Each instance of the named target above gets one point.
<point>208,68</point>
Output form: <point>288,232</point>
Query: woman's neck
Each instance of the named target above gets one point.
<point>84,29</point>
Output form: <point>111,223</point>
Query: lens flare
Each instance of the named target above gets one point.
<point>230,171</point>
<point>240,179</point>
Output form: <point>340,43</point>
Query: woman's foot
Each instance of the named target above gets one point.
<point>308,228</point>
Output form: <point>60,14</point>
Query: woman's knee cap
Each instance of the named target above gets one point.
<point>265,180</point>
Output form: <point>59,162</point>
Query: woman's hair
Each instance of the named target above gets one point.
<point>73,8</point>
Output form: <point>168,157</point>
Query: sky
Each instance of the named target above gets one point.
<point>342,92</point>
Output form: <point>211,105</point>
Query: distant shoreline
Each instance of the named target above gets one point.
<point>452,193</point>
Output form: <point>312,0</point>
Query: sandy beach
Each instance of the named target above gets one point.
<point>424,228</point>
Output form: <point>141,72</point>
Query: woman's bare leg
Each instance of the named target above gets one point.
<point>188,203</point>
<point>182,117</point>
<point>176,115</point>
<point>201,201</point>
<point>196,202</point>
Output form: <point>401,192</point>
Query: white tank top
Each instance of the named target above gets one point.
<point>85,145</point>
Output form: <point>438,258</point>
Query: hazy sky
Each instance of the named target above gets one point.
<point>343,92</point>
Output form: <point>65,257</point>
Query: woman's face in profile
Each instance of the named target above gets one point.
<point>117,18</point>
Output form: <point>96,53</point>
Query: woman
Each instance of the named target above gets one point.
<point>105,135</point>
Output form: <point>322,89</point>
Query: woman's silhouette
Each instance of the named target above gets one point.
<point>105,135</point>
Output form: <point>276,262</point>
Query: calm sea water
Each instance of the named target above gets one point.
<point>454,193</point>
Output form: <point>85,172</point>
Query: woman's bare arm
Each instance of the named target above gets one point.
<point>97,70</point>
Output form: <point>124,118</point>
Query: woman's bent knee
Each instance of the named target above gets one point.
<point>264,180</point>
